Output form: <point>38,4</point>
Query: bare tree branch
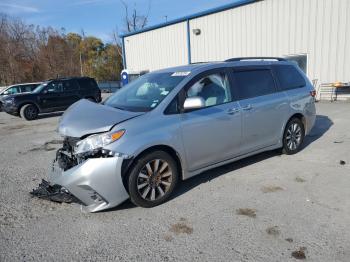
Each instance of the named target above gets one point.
<point>135,21</point>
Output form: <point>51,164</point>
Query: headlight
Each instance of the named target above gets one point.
<point>94,142</point>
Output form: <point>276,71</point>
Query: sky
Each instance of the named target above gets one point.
<point>100,17</point>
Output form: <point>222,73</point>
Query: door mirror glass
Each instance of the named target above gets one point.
<point>194,102</point>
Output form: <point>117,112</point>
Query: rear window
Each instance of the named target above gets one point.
<point>254,83</point>
<point>87,83</point>
<point>289,77</point>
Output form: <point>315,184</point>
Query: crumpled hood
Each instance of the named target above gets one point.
<point>85,117</point>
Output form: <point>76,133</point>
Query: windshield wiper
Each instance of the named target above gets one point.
<point>120,108</point>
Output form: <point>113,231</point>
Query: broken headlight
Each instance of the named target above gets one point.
<point>95,142</point>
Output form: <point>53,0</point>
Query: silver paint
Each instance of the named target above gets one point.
<point>202,139</point>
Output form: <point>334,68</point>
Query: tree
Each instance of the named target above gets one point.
<point>133,21</point>
<point>31,53</point>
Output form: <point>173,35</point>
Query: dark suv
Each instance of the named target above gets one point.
<point>52,95</point>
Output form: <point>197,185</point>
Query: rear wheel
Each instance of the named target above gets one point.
<point>29,112</point>
<point>293,136</point>
<point>152,179</point>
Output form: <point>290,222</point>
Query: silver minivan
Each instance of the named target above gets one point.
<point>172,124</point>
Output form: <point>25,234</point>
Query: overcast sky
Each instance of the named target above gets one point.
<point>99,17</point>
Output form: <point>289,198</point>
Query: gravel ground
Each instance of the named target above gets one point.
<point>269,207</point>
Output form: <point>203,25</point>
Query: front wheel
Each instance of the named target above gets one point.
<point>152,179</point>
<point>29,112</point>
<point>293,136</point>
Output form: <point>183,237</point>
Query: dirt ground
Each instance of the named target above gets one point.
<point>269,207</point>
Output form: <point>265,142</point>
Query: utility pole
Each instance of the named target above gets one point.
<point>81,64</point>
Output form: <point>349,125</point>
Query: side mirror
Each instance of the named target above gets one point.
<point>194,102</point>
<point>48,91</point>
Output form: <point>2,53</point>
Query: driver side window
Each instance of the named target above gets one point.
<point>213,88</point>
<point>55,87</point>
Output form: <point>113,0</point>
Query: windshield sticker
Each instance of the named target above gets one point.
<point>164,93</point>
<point>154,105</point>
<point>181,73</point>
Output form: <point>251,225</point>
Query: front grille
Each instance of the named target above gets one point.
<point>64,156</point>
<point>69,143</point>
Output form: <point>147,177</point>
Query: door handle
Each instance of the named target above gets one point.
<point>247,107</point>
<point>232,111</point>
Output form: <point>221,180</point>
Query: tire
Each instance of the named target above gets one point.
<point>151,184</point>
<point>29,112</point>
<point>293,136</point>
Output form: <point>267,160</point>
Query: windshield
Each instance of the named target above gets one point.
<point>145,93</point>
<point>40,87</point>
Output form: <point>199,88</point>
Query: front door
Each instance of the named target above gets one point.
<point>50,98</point>
<point>213,133</point>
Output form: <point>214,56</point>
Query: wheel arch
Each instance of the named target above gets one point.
<point>128,163</point>
<point>300,116</point>
<point>295,115</point>
<point>22,104</point>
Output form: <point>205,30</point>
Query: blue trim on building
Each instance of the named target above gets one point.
<point>196,15</point>
<point>189,42</point>
<point>123,51</point>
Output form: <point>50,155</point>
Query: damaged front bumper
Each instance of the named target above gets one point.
<point>96,183</point>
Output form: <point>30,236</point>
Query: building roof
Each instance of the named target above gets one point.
<point>235,4</point>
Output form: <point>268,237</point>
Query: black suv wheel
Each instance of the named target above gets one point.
<point>29,112</point>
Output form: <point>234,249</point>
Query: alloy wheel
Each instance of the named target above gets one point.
<point>31,112</point>
<point>293,137</point>
<point>154,180</point>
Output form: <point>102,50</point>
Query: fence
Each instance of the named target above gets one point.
<point>109,86</point>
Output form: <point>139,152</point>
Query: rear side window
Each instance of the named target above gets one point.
<point>289,77</point>
<point>87,83</point>
<point>70,85</point>
<point>254,83</point>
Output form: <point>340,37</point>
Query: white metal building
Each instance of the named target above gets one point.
<point>315,33</point>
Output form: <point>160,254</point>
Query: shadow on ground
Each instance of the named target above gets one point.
<point>322,125</point>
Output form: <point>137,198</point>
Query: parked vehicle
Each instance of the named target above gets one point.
<point>17,89</point>
<point>175,123</point>
<point>52,95</point>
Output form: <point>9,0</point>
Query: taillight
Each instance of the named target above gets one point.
<point>313,93</point>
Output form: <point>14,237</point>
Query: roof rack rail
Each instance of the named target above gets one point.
<point>255,58</point>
